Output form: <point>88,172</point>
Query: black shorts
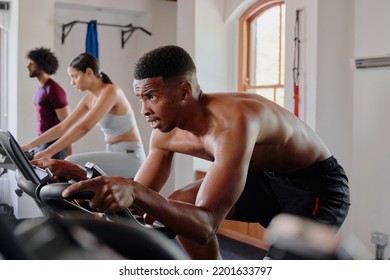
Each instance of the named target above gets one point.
<point>319,192</point>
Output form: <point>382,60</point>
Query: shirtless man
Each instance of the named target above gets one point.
<point>265,161</point>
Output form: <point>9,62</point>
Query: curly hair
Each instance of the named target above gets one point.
<point>166,62</point>
<point>44,59</point>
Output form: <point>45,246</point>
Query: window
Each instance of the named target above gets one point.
<point>262,44</point>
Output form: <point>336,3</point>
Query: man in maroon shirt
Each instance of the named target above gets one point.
<point>51,104</point>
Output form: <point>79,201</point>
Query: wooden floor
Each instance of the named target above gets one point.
<point>249,233</point>
<point>235,250</point>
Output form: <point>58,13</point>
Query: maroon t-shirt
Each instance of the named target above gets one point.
<point>47,99</point>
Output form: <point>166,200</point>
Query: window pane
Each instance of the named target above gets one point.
<point>280,96</point>
<point>274,94</point>
<point>267,93</point>
<point>265,52</point>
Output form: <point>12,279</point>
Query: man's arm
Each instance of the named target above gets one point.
<point>62,114</point>
<point>156,169</point>
<point>198,217</point>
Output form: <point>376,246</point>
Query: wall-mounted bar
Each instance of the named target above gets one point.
<point>131,31</point>
<point>4,5</point>
<point>66,28</point>
<point>372,62</point>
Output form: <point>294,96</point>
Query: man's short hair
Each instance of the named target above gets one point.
<point>44,59</point>
<point>166,62</point>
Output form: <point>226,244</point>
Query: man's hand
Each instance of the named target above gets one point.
<point>111,193</point>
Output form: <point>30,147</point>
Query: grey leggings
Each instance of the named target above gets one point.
<point>134,148</point>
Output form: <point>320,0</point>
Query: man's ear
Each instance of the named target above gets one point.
<point>186,89</point>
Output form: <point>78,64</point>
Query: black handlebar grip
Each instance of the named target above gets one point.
<point>54,192</point>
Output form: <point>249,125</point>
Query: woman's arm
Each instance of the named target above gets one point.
<point>63,113</point>
<point>56,131</point>
<point>104,103</point>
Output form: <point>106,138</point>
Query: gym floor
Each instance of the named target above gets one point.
<point>234,250</point>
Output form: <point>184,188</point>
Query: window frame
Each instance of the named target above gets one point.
<point>246,41</point>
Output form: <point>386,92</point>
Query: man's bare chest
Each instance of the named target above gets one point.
<point>192,145</point>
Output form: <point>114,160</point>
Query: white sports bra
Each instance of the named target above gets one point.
<point>115,125</point>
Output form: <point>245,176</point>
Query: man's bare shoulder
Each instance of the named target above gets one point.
<point>163,140</point>
<point>236,100</point>
<point>234,95</point>
<point>237,107</point>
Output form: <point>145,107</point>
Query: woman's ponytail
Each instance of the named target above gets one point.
<point>105,78</point>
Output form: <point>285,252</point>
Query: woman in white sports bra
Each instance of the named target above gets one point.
<point>105,105</point>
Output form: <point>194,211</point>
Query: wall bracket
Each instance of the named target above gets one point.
<point>128,30</point>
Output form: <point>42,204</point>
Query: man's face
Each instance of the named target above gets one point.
<point>160,102</point>
<point>33,69</point>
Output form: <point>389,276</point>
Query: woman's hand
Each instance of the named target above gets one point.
<point>42,155</point>
<point>25,147</point>
<point>61,168</point>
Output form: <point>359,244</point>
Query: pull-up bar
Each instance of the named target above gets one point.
<point>129,29</point>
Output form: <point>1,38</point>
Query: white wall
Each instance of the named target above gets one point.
<point>335,76</point>
<point>20,86</point>
<point>202,31</point>
<point>211,41</point>
<point>345,106</point>
<point>186,26</point>
<point>371,134</point>
<point>165,30</point>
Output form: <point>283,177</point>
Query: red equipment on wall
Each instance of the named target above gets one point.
<point>296,64</point>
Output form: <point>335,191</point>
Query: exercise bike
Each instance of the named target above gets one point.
<point>124,235</point>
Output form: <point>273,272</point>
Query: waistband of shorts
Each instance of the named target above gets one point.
<point>317,168</point>
<point>129,147</point>
<point>122,142</point>
<point>133,144</point>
